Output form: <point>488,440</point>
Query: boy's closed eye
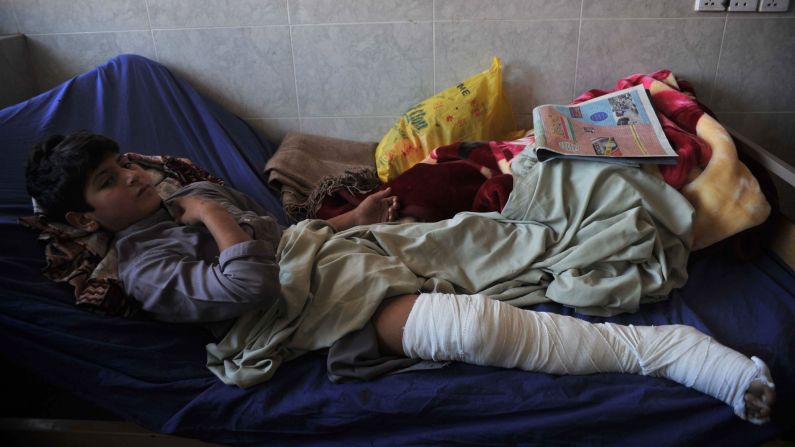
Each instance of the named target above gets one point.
<point>106,177</point>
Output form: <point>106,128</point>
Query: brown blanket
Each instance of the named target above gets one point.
<point>303,161</point>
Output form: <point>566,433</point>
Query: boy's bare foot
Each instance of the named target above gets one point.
<point>760,395</point>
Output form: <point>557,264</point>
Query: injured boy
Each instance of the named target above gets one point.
<point>597,237</point>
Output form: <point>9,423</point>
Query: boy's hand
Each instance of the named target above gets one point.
<point>192,210</point>
<point>376,208</point>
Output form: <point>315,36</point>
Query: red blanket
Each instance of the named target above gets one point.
<point>678,111</point>
<point>726,197</point>
<point>462,176</point>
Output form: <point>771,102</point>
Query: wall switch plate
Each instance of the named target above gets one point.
<point>773,5</point>
<point>710,5</point>
<point>744,5</point>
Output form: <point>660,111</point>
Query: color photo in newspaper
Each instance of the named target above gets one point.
<point>618,127</point>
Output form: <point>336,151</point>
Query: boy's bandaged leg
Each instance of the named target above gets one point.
<point>477,330</point>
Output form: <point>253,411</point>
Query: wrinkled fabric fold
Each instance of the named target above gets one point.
<point>598,237</point>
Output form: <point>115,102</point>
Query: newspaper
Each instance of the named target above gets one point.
<point>620,127</point>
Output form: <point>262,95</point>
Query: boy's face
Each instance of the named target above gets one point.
<point>120,193</point>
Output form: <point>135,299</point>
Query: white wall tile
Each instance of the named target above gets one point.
<point>756,66</point>
<point>643,9</point>
<point>216,13</point>
<point>507,9</point>
<point>612,49</point>
<point>66,16</point>
<point>8,23</point>
<point>247,70</point>
<point>347,11</point>
<point>536,70</point>
<point>58,57</point>
<point>275,129</point>
<point>372,69</point>
<point>364,129</point>
<point>359,62</point>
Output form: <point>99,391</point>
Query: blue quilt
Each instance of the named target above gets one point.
<point>154,374</point>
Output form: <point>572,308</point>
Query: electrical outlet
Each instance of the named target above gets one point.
<point>710,5</point>
<point>744,5</point>
<point>773,5</point>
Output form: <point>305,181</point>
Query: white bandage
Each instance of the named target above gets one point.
<point>477,330</point>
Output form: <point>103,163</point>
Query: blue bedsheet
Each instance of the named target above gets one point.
<point>153,373</point>
<point>141,105</point>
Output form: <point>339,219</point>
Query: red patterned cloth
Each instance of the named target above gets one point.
<point>474,176</point>
<point>678,111</point>
<point>463,176</point>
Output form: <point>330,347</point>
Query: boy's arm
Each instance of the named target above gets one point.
<point>166,273</point>
<point>375,208</point>
<point>193,210</point>
<point>174,285</point>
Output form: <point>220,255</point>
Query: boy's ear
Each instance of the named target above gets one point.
<point>82,220</point>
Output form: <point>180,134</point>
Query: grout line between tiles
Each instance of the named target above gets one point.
<point>577,58</point>
<point>717,64</point>
<point>16,17</point>
<point>78,33</point>
<point>608,19</point>
<point>294,25</point>
<point>151,31</point>
<point>433,21</point>
<point>295,70</point>
<point>433,32</point>
<point>395,22</point>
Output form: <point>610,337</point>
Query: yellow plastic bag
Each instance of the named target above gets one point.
<point>475,109</point>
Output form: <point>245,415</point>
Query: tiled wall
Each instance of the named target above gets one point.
<point>348,68</point>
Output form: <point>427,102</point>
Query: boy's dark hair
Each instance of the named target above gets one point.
<point>58,167</point>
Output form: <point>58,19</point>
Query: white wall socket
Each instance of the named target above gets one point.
<point>773,5</point>
<point>744,5</point>
<point>710,5</point>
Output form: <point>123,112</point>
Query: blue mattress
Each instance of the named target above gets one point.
<point>153,373</point>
